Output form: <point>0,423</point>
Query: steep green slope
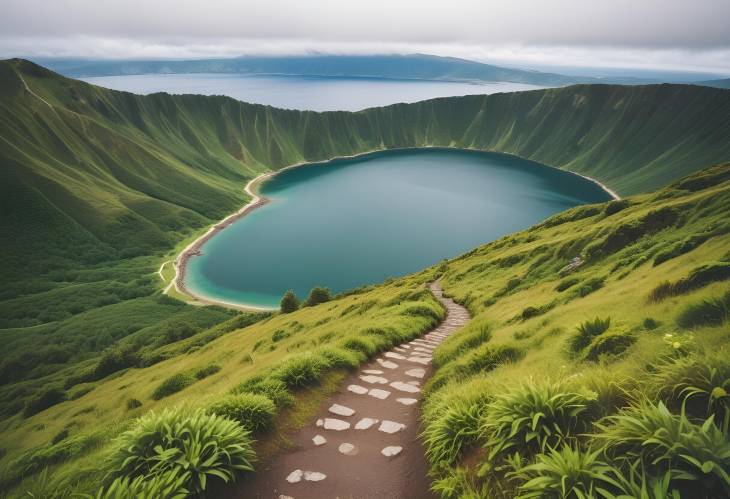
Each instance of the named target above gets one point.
<point>526,317</point>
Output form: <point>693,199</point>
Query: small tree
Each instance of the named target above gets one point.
<point>318,295</point>
<point>289,302</point>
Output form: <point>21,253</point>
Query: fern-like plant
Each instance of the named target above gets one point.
<point>455,428</point>
<point>586,331</point>
<point>170,485</point>
<point>178,441</point>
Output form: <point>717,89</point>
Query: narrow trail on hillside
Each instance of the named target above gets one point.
<point>363,442</point>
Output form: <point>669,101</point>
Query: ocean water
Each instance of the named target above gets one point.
<point>359,221</point>
<point>316,93</point>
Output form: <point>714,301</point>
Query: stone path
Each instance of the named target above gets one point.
<point>364,440</point>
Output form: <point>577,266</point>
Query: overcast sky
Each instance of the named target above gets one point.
<point>663,34</point>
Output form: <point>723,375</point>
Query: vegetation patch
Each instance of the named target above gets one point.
<point>608,345</point>
<point>173,384</point>
<point>710,312</point>
<point>253,411</point>
<point>697,278</point>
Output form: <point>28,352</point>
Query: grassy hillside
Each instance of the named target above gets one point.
<point>99,188</point>
<point>655,274</point>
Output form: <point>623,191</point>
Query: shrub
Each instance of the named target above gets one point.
<point>531,418</point>
<point>588,287</point>
<point>61,435</point>
<point>77,394</point>
<point>318,295</point>
<point>587,331</point>
<point>425,310</point>
<point>43,400</point>
<point>609,344</point>
<point>206,371</point>
<point>680,248</point>
<point>474,334</point>
<point>566,283</point>
<point>173,384</point>
<point>711,312</point>
<point>564,473</point>
<point>455,428</point>
<point>170,485</point>
<point>359,344</point>
<point>340,357</point>
<point>274,389</point>
<point>253,411</point>
<point>614,207</point>
<point>648,436</point>
<point>178,441</point>
<point>279,335</point>
<point>133,404</point>
<point>698,277</point>
<point>289,302</point>
<point>650,324</point>
<point>116,359</point>
<point>301,370</point>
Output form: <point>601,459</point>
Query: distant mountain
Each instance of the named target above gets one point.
<point>414,66</point>
<point>725,83</point>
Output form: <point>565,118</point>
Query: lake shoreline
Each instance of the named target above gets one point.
<point>257,200</point>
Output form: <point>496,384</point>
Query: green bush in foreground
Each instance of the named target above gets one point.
<point>455,428</point>
<point>531,418</point>
<point>253,411</point>
<point>180,442</point>
<point>564,473</point>
<point>162,486</point>
<point>173,384</point>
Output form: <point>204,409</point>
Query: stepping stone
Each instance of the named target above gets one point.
<point>407,401</point>
<point>319,440</point>
<point>391,427</point>
<point>295,476</point>
<point>391,450</point>
<point>422,349</point>
<point>341,410</point>
<point>374,379</point>
<point>372,371</point>
<point>388,364</point>
<point>394,355</point>
<point>416,372</point>
<point>399,349</point>
<point>365,423</point>
<point>414,383</point>
<point>379,394</point>
<point>405,387</point>
<point>420,354</point>
<point>314,476</point>
<point>357,389</point>
<point>420,360</point>
<point>336,424</point>
<point>320,422</point>
<point>347,449</point>
<point>405,346</point>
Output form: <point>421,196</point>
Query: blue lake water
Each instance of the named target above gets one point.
<point>302,92</point>
<point>359,221</point>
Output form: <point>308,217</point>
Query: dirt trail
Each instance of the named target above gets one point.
<point>363,442</point>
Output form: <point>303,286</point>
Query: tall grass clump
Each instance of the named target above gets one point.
<point>253,411</point>
<point>697,278</point>
<point>300,370</point>
<point>586,331</point>
<point>480,360</point>
<point>564,473</point>
<point>203,446</point>
<point>173,384</point>
<point>455,428</point>
<point>532,417</point>
<point>710,312</point>
<point>161,486</point>
<point>273,389</point>
<point>609,345</point>
<point>478,331</point>
<point>648,436</point>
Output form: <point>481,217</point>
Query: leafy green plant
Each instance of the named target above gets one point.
<point>318,295</point>
<point>564,473</point>
<point>206,371</point>
<point>289,302</point>
<point>649,436</point>
<point>178,441</point>
<point>586,331</point>
<point>710,312</point>
<point>455,428</point>
<point>253,411</point>
<point>173,384</point>
<point>532,417</point>
<point>636,484</point>
<point>609,344</point>
<point>169,485</point>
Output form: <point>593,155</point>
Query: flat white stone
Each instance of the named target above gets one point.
<point>388,364</point>
<point>423,349</point>
<point>405,346</point>
<point>336,424</point>
<point>319,440</point>
<point>365,423</point>
<point>399,349</point>
<point>341,410</point>
<point>414,383</point>
<point>357,389</point>
<point>347,449</point>
<point>406,401</point>
<point>416,372</point>
<point>314,476</point>
<point>393,355</point>
<point>391,427</point>
<point>372,371</point>
<point>420,354</point>
<point>379,394</point>
<point>374,379</point>
<point>320,422</point>
<point>391,450</point>
<point>405,387</point>
<point>420,360</point>
<point>295,476</point>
